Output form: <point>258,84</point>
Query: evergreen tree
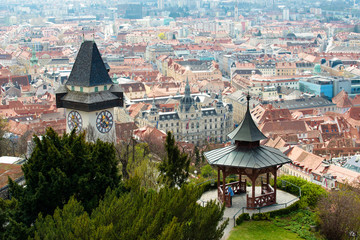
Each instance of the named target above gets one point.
<point>168,214</point>
<point>197,156</point>
<point>61,167</point>
<point>174,170</point>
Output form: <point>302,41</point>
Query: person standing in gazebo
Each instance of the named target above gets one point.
<point>231,193</point>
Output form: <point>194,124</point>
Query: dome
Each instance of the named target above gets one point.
<point>186,102</point>
<point>317,68</point>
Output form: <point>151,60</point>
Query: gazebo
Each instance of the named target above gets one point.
<point>246,157</point>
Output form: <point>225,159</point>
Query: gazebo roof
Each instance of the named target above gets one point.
<point>239,157</point>
<point>247,131</point>
<point>245,151</point>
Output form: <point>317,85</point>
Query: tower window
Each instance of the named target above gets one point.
<point>96,89</point>
<point>81,89</point>
<point>105,88</point>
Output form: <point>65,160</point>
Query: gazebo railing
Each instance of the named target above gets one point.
<point>266,188</point>
<point>221,197</point>
<point>237,187</point>
<point>261,201</point>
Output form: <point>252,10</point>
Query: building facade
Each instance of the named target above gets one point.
<point>191,122</point>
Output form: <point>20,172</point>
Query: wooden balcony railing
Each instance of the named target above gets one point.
<point>237,187</point>
<point>261,201</point>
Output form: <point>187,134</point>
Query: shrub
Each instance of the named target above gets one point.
<point>209,185</point>
<point>242,217</point>
<point>310,192</point>
<point>285,211</point>
<point>260,216</point>
<point>208,171</point>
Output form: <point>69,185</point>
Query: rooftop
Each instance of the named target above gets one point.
<point>89,69</point>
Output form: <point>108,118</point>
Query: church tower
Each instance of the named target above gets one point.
<point>34,63</point>
<point>89,96</point>
<point>187,101</point>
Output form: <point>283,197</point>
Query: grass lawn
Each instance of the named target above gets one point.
<point>261,230</point>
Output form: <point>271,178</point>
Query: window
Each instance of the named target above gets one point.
<point>72,88</point>
<point>81,89</point>
<point>105,88</point>
<point>96,89</point>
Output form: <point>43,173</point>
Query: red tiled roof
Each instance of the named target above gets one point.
<point>356,100</point>
<point>342,100</point>
<point>283,127</point>
<point>9,170</point>
<point>304,159</point>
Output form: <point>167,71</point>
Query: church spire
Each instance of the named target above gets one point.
<point>33,60</point>
<point>153,109</point>
<point>187,88</point>
<point>187,101</point>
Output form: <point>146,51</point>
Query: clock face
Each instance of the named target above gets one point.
<point>74,121</point>
<point>104,121</point>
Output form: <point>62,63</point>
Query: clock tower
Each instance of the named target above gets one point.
<point>89,96</point>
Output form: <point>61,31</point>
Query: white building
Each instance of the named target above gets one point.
<point>191,122</point>
<point>286,14</point>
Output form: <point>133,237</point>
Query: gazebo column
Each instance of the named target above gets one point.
<point>218,184</point>
<point>275,178</point>
<point>223,186</point>
<point>218,180</point>
<point>253,180</point>
<point>240,185</point>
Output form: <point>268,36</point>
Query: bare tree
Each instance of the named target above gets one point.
<point>339,214</point>
<point>155,146</point>
<point>122,150</point>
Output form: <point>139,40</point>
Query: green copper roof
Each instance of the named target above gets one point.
<point>255,158</point>
<point>247,131</point>
<point>33,60</point>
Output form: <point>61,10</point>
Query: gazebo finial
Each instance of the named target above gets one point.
<point>248,100</point>
<point>247,131</point>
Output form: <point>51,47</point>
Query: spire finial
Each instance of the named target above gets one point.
<point>248,100</point>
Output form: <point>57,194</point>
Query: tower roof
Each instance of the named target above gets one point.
<point>89,69</point>
<point>187,101</point>
<point>247,131</point>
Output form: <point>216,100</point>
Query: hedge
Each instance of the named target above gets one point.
<point>242,217</point>
<point>260,216</point>
<point>310,192</point>
<point>285,211</point>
